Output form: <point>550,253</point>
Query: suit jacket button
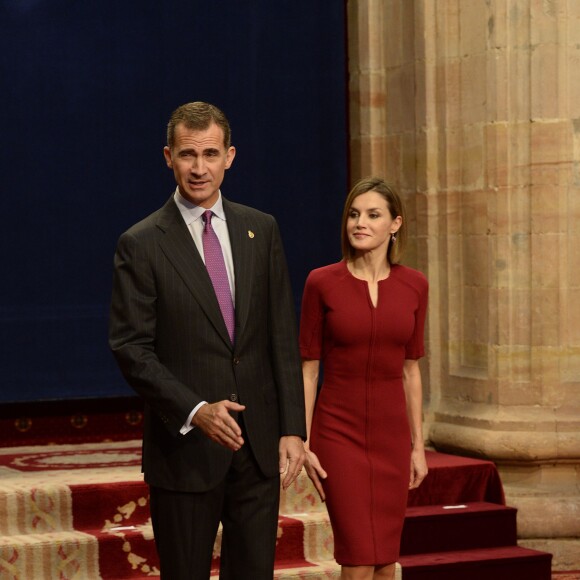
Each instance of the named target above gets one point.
<point>233,397</point>
<point>236,360</point>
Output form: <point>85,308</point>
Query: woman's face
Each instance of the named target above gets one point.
<point>370,224</point>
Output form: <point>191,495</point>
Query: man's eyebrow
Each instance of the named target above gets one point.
<point>205,150</point>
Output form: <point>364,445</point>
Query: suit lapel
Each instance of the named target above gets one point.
<point>243,257</point>
<point>179,247</point>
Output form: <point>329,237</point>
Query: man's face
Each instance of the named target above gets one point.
<point>199,160</point>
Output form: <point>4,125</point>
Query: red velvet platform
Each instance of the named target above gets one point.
<point>458,527</point>
<point>71,421</point>
<point>452,479</point>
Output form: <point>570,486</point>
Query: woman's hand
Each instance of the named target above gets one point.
<point>315,472</point>
<point>418,468</point>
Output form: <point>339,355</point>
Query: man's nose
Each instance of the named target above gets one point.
<point>198,166</point>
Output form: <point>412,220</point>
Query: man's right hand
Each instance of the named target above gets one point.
<point>216,422</point>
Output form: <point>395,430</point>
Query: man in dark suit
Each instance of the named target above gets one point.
<point>203,328</point>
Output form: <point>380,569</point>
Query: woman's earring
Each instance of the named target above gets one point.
<point>394,237</point>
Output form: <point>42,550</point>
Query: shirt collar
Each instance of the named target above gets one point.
<point>192,212</point>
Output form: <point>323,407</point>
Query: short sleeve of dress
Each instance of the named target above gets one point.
<point>415,348</point>
<point>311,320</point>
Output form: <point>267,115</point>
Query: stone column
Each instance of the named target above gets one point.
<point>473,108</point>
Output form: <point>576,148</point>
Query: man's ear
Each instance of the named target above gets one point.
<point>231,153</point>
<point>167,155</point>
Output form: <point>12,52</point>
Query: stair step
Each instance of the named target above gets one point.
<point>50,555</point>
<point>116,503</point>
<point>318,539</point>
<point>301,496</point>
<point>302,539</point>
<point>458,527</point>
<point>128,552</point>
<point>503,563</point>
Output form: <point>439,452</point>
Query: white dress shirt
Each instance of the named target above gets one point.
<point>192,213</point>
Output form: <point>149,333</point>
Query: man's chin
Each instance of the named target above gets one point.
<point>201,196</point>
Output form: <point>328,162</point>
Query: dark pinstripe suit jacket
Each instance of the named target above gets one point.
<point>171,343</point>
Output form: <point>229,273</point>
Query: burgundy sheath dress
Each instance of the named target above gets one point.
<point>360,431</point>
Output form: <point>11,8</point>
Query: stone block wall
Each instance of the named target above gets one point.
<point>472,108</point>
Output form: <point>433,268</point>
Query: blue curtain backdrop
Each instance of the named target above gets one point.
<point>86,91</point>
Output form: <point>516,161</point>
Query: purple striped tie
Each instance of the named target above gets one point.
<point>216,268</point>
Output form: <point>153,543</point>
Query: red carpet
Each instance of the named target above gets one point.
<point>81,511</point>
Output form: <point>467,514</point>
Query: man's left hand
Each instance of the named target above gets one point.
<point>291,456</point>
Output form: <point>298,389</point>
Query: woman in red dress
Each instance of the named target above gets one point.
<point>363,319</point>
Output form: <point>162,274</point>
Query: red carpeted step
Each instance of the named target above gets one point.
<point>127,553</point>
<point>458,527</point>
<point>120,503</point>
<point>127,550</point>
<point>504,563</point>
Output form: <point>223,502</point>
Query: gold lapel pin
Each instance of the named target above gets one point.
<point>250,234</point>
